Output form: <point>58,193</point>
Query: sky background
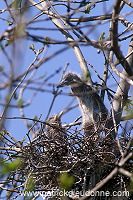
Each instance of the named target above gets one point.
<point>22,56</point>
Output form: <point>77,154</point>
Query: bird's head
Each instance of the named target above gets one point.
<point>56,118</point>
<point>70,79</point>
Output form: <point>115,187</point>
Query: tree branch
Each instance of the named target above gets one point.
<point>115,46</point>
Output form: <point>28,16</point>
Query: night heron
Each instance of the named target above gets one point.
<point>56,133</point>
<point>94,112</point>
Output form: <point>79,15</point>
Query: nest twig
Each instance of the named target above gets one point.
<point>45,159</point>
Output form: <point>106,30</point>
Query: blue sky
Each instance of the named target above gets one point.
<point>23,56</point>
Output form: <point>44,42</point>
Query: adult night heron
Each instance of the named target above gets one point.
<point>94,112</point>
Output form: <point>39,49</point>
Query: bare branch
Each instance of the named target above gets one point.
<point>115,45</point>
<point>129,3</point>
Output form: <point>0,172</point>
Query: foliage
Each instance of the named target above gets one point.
<point>9,167</point>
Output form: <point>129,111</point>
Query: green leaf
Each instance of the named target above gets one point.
<point>47,40</point>
<point>2,133</point>
<point>23,139</point>
<point>66,181</point>
<point>16,4</point>
<point>15,96</point>
<point>87,10</point>
<point>9,23</point>
<point>29,184</point>
<point>35,117</point>
<point>20,102</point>
<point>89,7</point>
<point>8,167</point>
<point>128,106</point>
<point>43,76</point>
<point>86,76</point>
<point>10,41</point>
<point>127,117</point>
<point>1,68</point>
<point>32,47</point>
<point>130,186</point>
<point>102,37</point>
<point>8,98</point>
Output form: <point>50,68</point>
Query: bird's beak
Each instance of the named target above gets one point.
<point>60,114</point>
<point>61,84</point>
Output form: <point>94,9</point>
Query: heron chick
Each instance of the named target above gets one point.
<point>94,112</point>
<point>54,129</point>
<point>57,133</point>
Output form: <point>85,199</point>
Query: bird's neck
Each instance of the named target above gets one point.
<point>84,94</point>
<point>81,90</point>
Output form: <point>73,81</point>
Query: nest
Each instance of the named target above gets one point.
<point>43,160</point>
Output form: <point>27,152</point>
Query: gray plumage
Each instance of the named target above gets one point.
<point>94,112</point>
<point>54,129</point>
<point>56,133</point>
